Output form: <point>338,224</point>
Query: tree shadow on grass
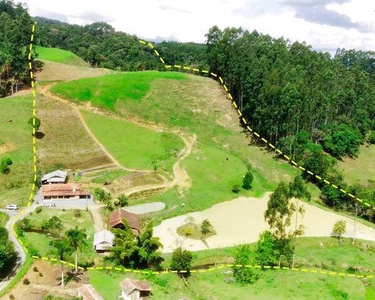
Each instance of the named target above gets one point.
<point>39,135</point>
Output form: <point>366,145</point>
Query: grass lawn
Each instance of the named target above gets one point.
<point>41,241</point>
<point>104,91</point>
<point>15,186</point>
<point>360,169</point>
<point>132,145</point>
<point>108,176</point>
<point>211,285</point>
<point>60,56</point>
<point>3,218</point>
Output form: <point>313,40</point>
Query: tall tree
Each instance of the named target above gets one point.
<point>61,249</point>
<point>76,238</point>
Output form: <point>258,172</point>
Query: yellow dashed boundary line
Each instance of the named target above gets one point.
<point>273,147</point>
<point>218,267</point>
<point>32,80</point>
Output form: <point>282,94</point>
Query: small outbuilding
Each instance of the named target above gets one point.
<point>135,289</point>
<point>54,177</point>
<point>117,216</point>
<point>103,240</point>
<point>87,292</point>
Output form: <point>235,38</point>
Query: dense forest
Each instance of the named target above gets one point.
<point>15,28</point>
<point>291,94</point>
<point>101,46</point>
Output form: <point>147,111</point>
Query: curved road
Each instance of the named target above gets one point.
<point>21,257</point>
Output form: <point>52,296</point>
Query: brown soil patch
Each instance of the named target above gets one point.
<point>39,286</point>
<point>57,71</point>
<point>121,184</point>
<point>5,148</point>
<point>65,140</point>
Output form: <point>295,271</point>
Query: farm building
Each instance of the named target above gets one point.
<point>87,292</point>
<point>117,216</point>
<point>71,191</point>
<point>54,177</point>
<point>103,240</point>
<point>135,289</point>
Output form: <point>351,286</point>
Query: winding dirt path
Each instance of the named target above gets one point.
<point>180,177</point>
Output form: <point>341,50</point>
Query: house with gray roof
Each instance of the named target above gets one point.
<point>103,240</point>
<point>54,177</point>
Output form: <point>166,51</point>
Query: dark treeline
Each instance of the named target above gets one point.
<point>15,29</point>
<point>292,95</point>
<point>101,46</point>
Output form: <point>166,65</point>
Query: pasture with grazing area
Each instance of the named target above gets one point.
<point>16,133</point>
<point>60,56</point>
<point>132,145</point>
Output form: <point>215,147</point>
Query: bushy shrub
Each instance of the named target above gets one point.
<point>38,210</point>
<point>26,281</point>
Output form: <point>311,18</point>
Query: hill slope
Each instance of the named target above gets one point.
<point>60,56</point>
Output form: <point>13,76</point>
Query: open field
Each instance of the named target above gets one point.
<point>106,90</point>
<point>360,169</point>
<point>132,145</point>
<point>60,56</point>
<point>16,133</point>
<point>3,218</point>
<point>65,140</point>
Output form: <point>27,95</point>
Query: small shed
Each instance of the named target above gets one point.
<point>103,240</point>
<point>135,289</point>
<point>117,216</point>
<point>87,292</point>
<point>54,177</point>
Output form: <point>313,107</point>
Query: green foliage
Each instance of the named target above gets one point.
<point>136,252</point>
<point>371,138</point>
<point>236,188</point>
<point>339,228</point>
<point>244,274</point>
<point>76,239</point>
<point>5,163</point>
<point>247,180</point>
<point>342,141</point>
<point>206,227</point>
<point>278,215</point>
<point>8,256</point>
<point>15,23</point>
<point>181,261</point>
<point>298,189</point>
<point>267,253</point>
<point>53,225</point>
<point>37,123</point>
<point>38,210</point>
<point>123,200</point>
<point>77,213</point>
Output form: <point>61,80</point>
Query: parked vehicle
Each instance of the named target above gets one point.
<point>12,207</point>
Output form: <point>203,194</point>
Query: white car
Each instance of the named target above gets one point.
<point>12,207</point>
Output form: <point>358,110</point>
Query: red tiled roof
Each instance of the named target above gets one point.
<point>68,189</point>
<point>128,285</point>
<point>88,292</point>
<point>117,215</point>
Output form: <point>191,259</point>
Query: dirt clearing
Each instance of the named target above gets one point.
<point>241,221</point>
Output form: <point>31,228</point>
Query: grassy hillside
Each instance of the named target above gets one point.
<point>197,106</point>
<point>60,56</point>
<point>360,169</point>
<point>104,91</point>
<point>132,145</point>
<point>15,112</point>
<point>318,253</point>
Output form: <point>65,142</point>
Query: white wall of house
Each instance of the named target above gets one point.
<point>135,295</point>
